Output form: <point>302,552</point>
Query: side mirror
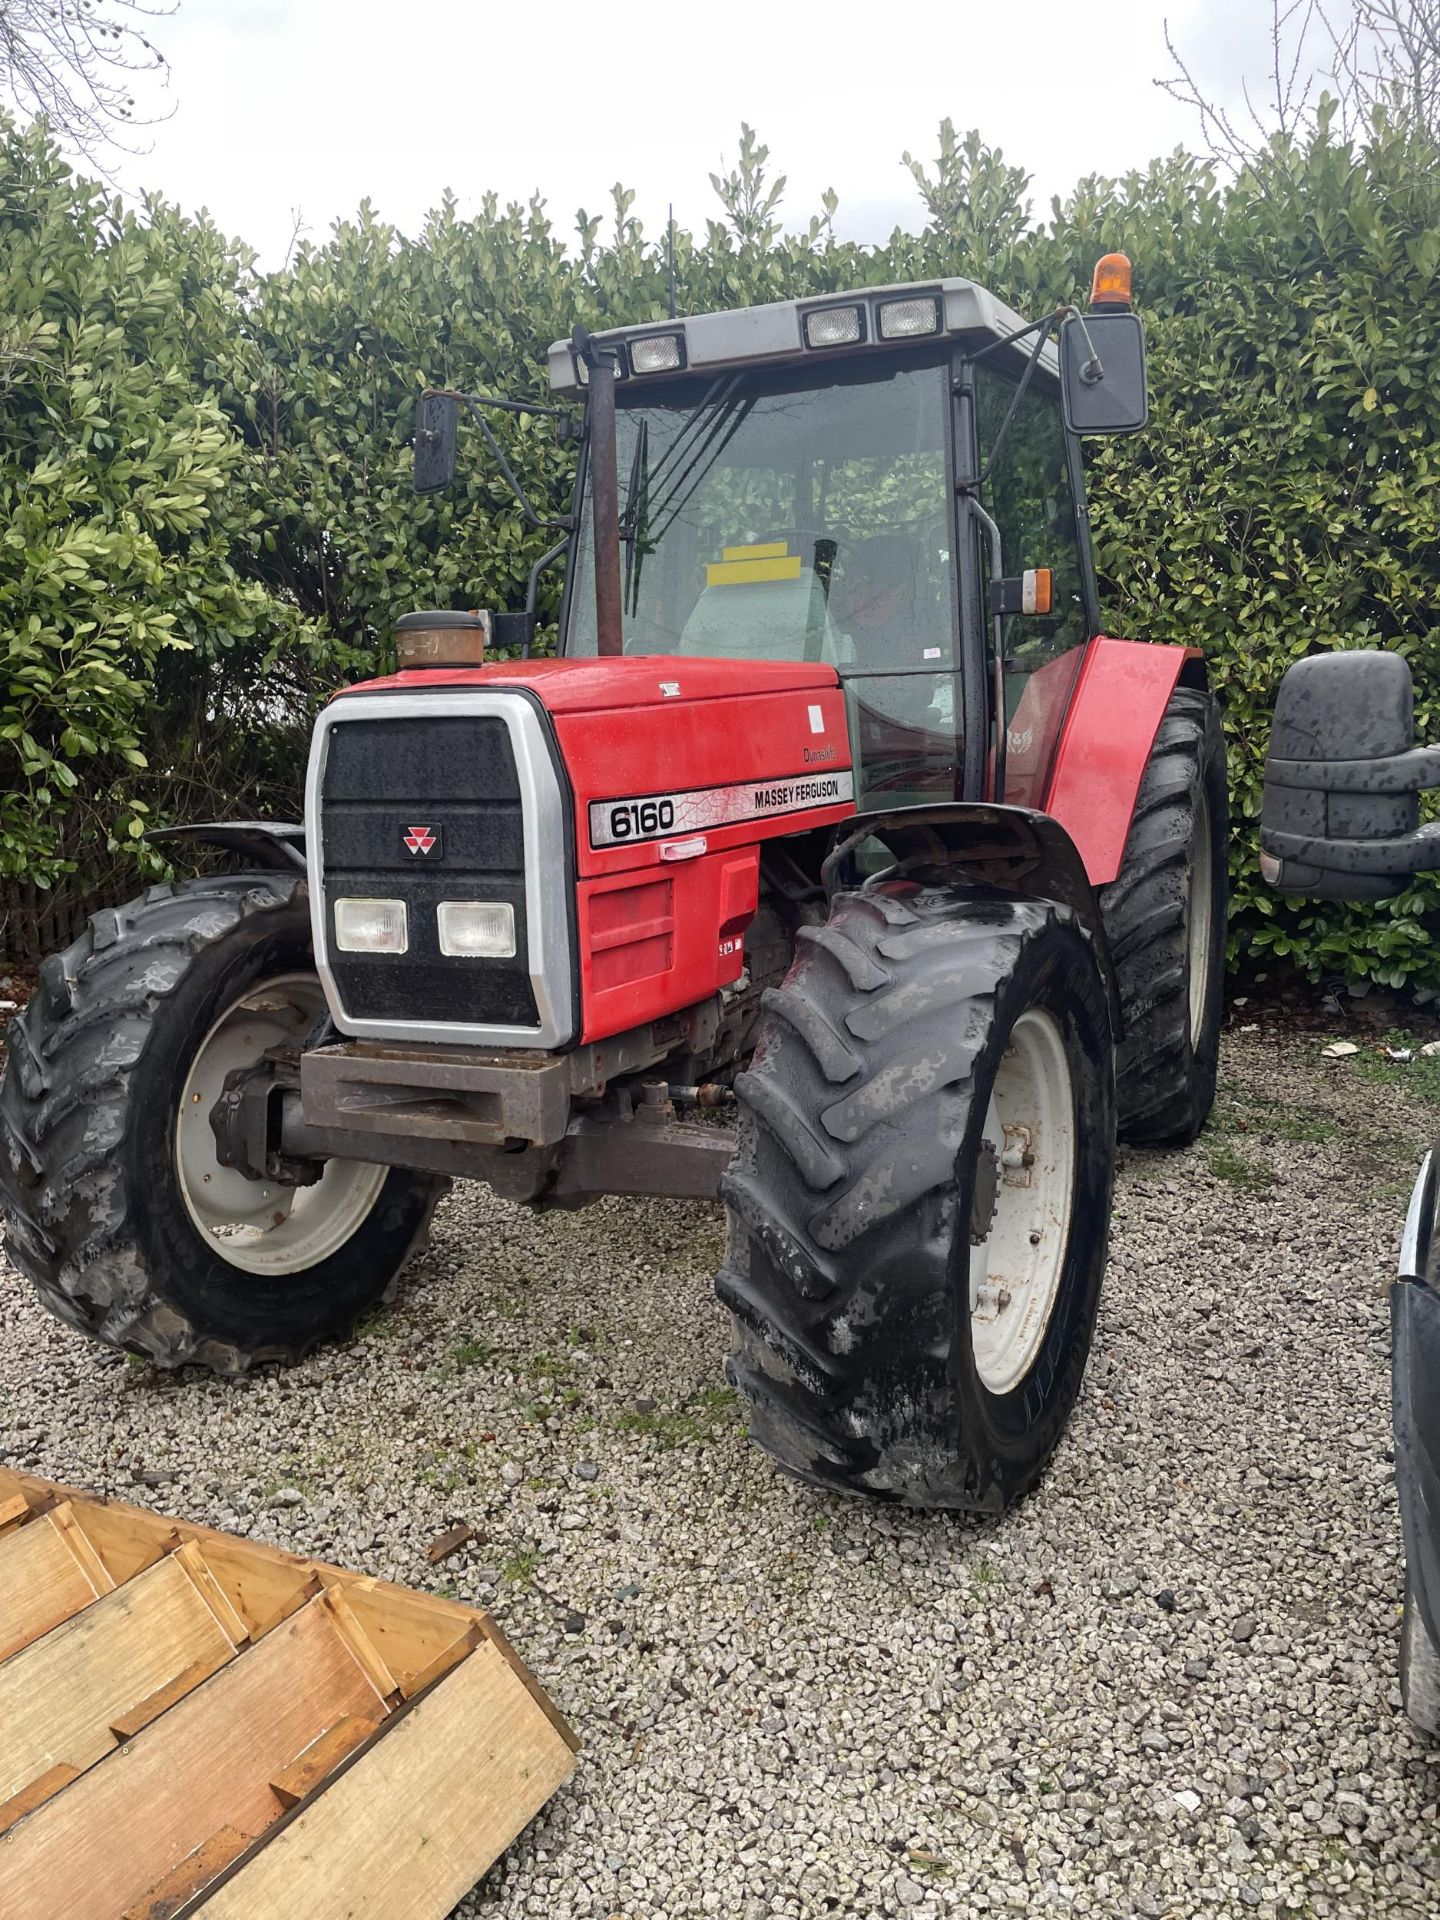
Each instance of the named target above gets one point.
<point>515,630</point>
<point>1102,373</point>
<point>437,419</point>
<point>1340,814</point>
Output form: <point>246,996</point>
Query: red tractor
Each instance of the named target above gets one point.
<point>835,806</point>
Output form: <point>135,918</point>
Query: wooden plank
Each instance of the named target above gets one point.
<point>320,1758</point>
<point>196,1870</point>
<point>450,1656</point>
<point>444,1544</point>
<point>67,1524</point>
<point>60,1696</point>
<point>38,1791</point>
<point>192,1559</point>
<point>408,1630</point>
<point>127,1538</point>
<point>408,1829</point>
<point>291,1602</point>
<point>13,1512</point>
<point>531,1685</point>
<point>359,1643</point>
<point>115,1834</point>
<point>126,1725</point>
<point>41,1584</point>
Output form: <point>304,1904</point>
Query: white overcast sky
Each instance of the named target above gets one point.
<point>289,109</point>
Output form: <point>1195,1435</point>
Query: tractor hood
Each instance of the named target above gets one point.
<point>596,685</point>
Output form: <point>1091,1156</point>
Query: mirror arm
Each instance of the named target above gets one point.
<point>1386,773</point>
<point>493,400</point>
<point>522,499</point>
<point>532,590</point>
<point>1041,326</point>
<point>472,403</point>
<point>1093,371</point>
<point>1041,330</point>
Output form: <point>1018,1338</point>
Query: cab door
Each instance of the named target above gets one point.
<point>1033,490</point>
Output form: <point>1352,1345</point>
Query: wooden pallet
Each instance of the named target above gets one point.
<point>192,1723</point>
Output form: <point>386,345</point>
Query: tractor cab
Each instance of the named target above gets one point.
<point>882,482</point>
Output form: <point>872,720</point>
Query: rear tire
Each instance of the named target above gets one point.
<point>1164,921</point>
<point>101,1178</point>
<point>865,1172</point>
<point>1419,1668</point>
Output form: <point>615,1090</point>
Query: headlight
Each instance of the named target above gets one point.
<point>477,929</point>
<point>371,926</point>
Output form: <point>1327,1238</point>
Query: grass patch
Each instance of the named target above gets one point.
<point>383,1324</point>
<point>519,1569</point>
<point>927,1863</point>
<point>1302,1125</point>
<point>545,1366</point>
<point>1395,1189</point>
<point>1225,1164</point>
<point>450,1468</point>
<point>468,1353</point>
<point>1419,1077</point>
<point>1235,1112</point>
<point>691,1425</point>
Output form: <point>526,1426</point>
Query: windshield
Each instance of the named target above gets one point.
<point>774,518</point>
<point>780,521</point>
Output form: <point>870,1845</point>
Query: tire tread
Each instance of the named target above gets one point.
<point>63,1104</point>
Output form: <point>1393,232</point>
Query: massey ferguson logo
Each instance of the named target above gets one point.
<point>421,839</point>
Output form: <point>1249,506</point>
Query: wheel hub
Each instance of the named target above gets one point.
<point>263,1226</point>
<point>1017,1261</point>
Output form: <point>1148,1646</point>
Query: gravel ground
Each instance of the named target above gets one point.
<point>1164,1686</point>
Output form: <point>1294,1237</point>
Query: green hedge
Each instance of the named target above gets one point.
<point>206,520</point>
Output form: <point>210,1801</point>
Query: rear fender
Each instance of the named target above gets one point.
<point>278,844</point>
<point>1415,1320</point>
<point>1011,847</point>
<point>1120,699</point>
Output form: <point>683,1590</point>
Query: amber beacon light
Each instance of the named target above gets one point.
<point>1110,286</point>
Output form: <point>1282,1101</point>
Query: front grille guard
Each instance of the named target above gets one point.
<point>548,893</point>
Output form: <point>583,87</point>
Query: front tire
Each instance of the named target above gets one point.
<point>1165,916</point>
<point>118,1209</point>
<point>882,1220</point>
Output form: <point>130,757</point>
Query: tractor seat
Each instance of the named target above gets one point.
<point>764,620</point>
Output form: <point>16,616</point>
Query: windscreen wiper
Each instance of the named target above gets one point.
<point>631,514</point>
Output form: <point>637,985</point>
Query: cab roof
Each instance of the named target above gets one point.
<point>777,334</point>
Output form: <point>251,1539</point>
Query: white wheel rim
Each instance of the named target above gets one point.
<point>1015,1271</point>
<point>1198,917</point>
<point>261,1226</point>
